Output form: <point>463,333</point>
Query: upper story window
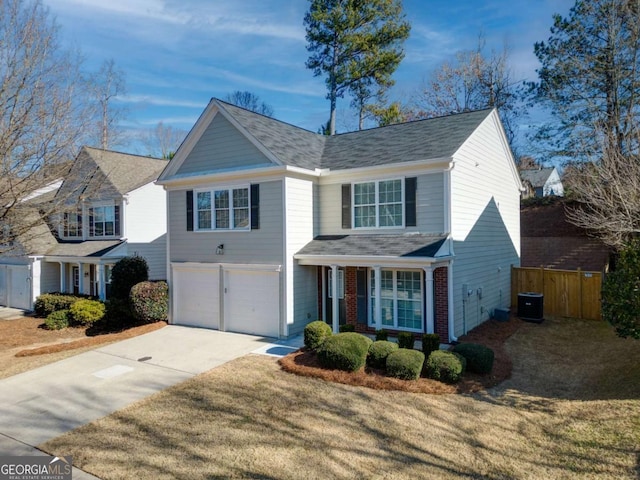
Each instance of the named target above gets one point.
<point>378,204</point>
<point>72,224</point>
<point>222,209</point>
<point>104,221</point>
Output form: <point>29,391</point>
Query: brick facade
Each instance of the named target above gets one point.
<point>441,299</point>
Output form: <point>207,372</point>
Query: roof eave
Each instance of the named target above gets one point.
<point>368,260</point>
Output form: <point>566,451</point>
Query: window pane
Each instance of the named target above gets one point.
<point>204,219</point>
<point>109,214</point>
<point>222,199</point>
<point>204,200</point>
<point>386,285</point>
<point>222,218</point>
<point>108,228</point>
<point>98,214</point>
<point>241,197</point>
<point>391,215</point>
<point>387,311</point>
<point>364,193</point>
<point>365,216</point>
<point>390,191</point>
<point>240,217</point>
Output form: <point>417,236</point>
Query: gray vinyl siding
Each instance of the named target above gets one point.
<point>155,253</point>
<point>50,277</point>
<point>429,208</point>
<point>263,245</point>
<point>305,307</point>
<point>485,225</point>
<point>222,146</point>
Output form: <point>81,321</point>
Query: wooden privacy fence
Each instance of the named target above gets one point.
<point>567,293</point>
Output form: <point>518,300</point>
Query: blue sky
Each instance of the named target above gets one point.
<point>177,54</point>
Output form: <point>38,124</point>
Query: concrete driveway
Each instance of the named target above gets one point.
<point>41,404</point>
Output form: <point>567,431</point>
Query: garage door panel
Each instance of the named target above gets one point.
<point>196,297</point>
<point>252,302</point>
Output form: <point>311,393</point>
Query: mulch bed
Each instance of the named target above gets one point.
<point>91,341</point>
<point>492,334</point>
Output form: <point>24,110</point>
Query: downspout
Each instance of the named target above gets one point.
<point>448,227</point>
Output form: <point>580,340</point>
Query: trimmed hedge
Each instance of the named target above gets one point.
<point>444,366</point>
<point>344,351</point>
<point>127,272</point>
<point>479,358</point>
<point>58,320</point>
<point>382,335</point>
<point>118,314</point>
<point>47,303</point>
<point>406,340</point>
<point>87,312</point>
<point>150,301</point>
<point>378,353</point>
<point>430,343</point>
<point>347,327</point>
<point>315,333</point>
<point>405,364</point>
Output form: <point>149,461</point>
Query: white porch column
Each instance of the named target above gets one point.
<point>80,277</point>
<point>63,277</point>
<point>335,303</point>
<point>324,294</point>
<point>101,283</point>
<point>428,285</point>
<point>377,314</point>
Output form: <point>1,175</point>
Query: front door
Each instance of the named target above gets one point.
<point>329,297</point>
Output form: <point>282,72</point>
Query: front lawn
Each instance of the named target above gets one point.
<point>570,410</point>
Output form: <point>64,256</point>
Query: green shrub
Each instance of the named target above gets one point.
<point>430,343</point>
<point>382,335</point>
<point>344,351</point>
<point>315,333</point>
<point>406,340</point>
<point>405,364</point>
<point>87,312</point>
<point>57,320</point>
<point>347,327</point>
<point>127,272</point>
<point>620,299</point>
<point>48,303</point>
<point>118,314</point>
<point>378,353</point>
<point>444,366</point>
<point>479,358</point>
<point>150,301</point>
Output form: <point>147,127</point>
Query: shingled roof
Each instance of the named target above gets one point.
<point>536,177</point>
<point>403,245</point>
<point>438,137</point>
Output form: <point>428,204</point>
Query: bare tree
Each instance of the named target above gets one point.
<point>607,190</point>
<point>43,114</point>
<point>107,84</point>
<point>163,141</point>
<point>474,81</point>
<point>250,101</point>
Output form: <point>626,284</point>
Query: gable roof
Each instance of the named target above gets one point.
<point>418,140</point>
<point>125,171</point>
<point>537,177</point>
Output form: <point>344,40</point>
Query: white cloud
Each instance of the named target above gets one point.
<point>160,101</point>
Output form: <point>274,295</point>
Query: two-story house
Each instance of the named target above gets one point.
<point>108,207</point>
<point>410,227</point>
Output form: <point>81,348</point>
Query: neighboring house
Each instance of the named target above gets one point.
<point>541,182</point>
<point>410,227</point>
<point>549,240</point>
<point>109,208</point>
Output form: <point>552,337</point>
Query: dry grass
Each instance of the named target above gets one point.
<point>25,345</point>
<point>557,417</point>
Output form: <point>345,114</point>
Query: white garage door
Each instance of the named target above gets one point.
<point>15,286</point>
<point>252,301</point>
<point>196,295</point>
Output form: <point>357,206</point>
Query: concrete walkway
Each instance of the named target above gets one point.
<point>41,404</point>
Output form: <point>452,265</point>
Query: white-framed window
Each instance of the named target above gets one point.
<point>378,204</point>
<point>72,224</point>
<point>222,209</point>
<point>401,301</point>
<point>75,271</point>
<point>340,284</point>
<point>102,221</point>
